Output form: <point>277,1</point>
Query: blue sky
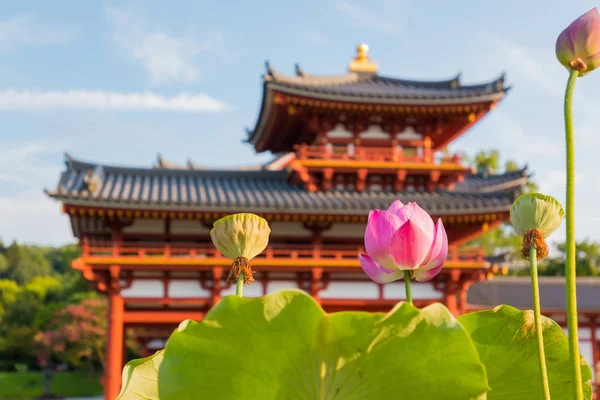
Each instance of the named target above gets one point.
<point>119,82</point>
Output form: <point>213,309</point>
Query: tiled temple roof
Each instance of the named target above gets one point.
<point>486,183</point>
<point>516,291</point>
<point>370,89</point>
<point>376,88</point>
<point>244,190</point>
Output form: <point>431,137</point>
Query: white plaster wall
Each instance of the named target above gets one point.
<point>187,289</point>
<point>253,290</point>
<point>350,290</point>
<point>280,285</point>
<point>395,290</point>
<point>145,288</point>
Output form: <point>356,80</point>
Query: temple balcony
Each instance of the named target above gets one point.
<point>184,255</point>
<point>316,166</point>
<point>418,156</point>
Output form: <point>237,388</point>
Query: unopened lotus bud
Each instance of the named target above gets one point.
<point>535,216</point>
<point>240,237</point>
<point>578,46</point>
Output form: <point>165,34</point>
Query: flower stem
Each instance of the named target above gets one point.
<point>535,289</point>
<point>570,266</point>
<point>407,287</point>
<point>239,286</point>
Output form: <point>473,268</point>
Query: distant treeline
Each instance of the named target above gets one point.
<point>36,283</point>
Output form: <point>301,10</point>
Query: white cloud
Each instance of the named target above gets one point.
<point>363,18</point>
<point>101,100</point>
<point>165,56</point>
<point>24,30</point>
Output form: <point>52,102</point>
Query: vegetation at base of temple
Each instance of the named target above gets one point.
<point>35,282</point>
<point>30,385</point>
<point>48,320</point>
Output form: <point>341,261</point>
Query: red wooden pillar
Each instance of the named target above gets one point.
<point>216,285</point>
<point>595,351</point>
<point>450,301</point>
<point>317,241</point>
<point>450,291</point>
<point>463,289</point>
<point>114,350</point>
<point>462,302</point>
<point>117,239</point>
<point>85,245</point>
<point>427,154</point>
<point>327,179</point>
<point>315,283</point>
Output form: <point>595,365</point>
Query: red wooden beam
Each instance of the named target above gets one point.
<point>161,317</point>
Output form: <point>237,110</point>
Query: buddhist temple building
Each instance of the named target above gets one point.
<point>342,145</point>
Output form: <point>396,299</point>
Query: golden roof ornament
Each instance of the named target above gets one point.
<point>362,62</point>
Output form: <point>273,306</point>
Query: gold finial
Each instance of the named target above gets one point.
<point>362,51</point>
<point>362,62</point>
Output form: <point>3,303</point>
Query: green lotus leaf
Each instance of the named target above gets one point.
<point>506,342</point>
<point>140,378</point>
<point>283,346</point>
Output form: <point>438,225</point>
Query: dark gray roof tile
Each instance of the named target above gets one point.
<point>374,86</point>
<point>255,190</point>
<point>483,183</point>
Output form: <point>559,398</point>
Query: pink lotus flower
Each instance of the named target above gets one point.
<point>403,238</point>
<point>578,46</point>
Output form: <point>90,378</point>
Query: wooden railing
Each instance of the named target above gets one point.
<point>380,154</point>
<point>274,251</point>
<point>466,254</point>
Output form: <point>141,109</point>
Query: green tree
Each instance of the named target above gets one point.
<point>35,284</point>
<point>76,335</point>
<point>14,254</point>
<point>486,162</point>
<point>29,268</point>
<point>3,264</point>
<point>60,258</point>
<point>588,261</point>
<point>45,288</point>
<point>8,295</point>
<point>511,166</point>
<point>28,309</point>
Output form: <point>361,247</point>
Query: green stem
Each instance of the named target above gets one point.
<point>535,290</point>
<point>239,286</point>
<point>570,271</point>
<point>407,287</point>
